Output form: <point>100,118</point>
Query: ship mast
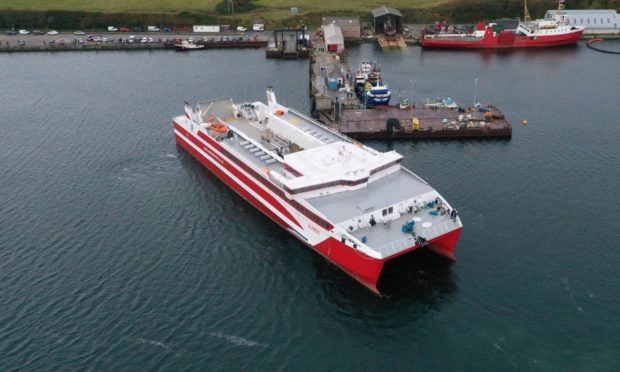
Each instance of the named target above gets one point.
<point>560,7</point>
<point>526,13</point>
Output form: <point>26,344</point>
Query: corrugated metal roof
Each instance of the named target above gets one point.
<point>384,10</point>
<point>333,34</point>
<point>584,11</point>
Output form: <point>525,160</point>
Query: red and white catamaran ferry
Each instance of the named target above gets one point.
<point>356,206</point>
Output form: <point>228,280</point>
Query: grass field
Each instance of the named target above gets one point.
<point>274,9</point>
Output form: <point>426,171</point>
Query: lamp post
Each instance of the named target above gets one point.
<point>411,102</point>
<point>475,91</point>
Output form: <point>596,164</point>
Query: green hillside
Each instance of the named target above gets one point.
<point>96,14</point>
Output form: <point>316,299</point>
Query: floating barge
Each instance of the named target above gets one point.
<point>418,123</point>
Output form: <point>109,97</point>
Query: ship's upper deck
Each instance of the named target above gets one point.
<point>337,161</point>
<point>302,154</point>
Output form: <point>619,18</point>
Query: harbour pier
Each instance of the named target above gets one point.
<point>335,103</point>
<point>330,81</point>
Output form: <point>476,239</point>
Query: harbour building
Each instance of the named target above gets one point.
<point>596,21</point>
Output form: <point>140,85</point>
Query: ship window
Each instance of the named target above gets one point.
<point>390,210</point>
<point>588,20</point>
<point>384,212</point>
<point>607,20</point>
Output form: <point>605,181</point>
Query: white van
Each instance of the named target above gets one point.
<point>153,28</point>
<point>112,29</point>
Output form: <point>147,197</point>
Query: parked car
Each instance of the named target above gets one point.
<point>137,29</point>
<point>153,29</point>
<point>112,29</point>
<point>79,32</point>
<point>241,29</point>
<point>37,32</point>
<point>11,32</point>
<point>124,29</point>
<point>167,29</point>
<point>24,32</point>
<point>52,32</point>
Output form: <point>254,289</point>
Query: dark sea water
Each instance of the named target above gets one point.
<point>118,251</point>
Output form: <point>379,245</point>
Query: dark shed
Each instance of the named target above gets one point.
<point>386,20</point>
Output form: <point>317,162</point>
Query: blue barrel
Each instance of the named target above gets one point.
<point>332,84</point>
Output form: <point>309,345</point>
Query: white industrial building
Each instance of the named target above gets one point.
<point>596,21</point>
<point>334,41</point>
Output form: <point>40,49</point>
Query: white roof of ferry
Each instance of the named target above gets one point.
<point>335,161</point>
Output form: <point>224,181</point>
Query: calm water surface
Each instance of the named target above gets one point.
<point>120,251</point>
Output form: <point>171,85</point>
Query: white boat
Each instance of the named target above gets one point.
<point>186,45</point>
<point>355,206</point>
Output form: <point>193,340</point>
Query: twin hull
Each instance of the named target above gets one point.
<point>300,222</point>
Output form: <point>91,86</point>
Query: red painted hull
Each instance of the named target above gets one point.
<point>503,40</point>
<point>365,269</point>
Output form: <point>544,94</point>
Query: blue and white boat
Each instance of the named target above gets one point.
<point>377,94</point>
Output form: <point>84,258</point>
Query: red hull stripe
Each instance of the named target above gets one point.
<point>242,177</point>
<point>300,208</point>
<point>231,183</point>
<point>276,190</point>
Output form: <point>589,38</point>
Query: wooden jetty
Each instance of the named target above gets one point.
<point>392,42</point>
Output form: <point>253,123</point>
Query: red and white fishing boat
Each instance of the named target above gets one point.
<point>537,33</point>
<point>186,46</point>
<point>356,206</point>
